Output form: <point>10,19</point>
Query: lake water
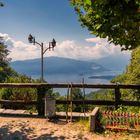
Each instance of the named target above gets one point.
<point>73,78</point>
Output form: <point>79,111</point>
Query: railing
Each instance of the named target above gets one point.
<point>40,104</point>
<point>121,120</point>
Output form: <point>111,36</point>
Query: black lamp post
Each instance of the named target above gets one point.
<point>1,4</point>
<point>52,44</point>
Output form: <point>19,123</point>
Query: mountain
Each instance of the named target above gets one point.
<point>57,65</point>
<point>114,62</point>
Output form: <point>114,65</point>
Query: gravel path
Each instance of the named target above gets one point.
<point>13,128</point>
<point>17,128</point>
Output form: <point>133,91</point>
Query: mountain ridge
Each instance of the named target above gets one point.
<point>57,65</point>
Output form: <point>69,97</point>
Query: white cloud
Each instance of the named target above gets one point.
<point>104,48</point>
<point>18,49</point>
<point>100,48</point>
<point>95,39</point>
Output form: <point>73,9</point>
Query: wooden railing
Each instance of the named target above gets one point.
<point>40,103</point>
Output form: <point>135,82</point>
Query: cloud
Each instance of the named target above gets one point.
<point>104,48</point>
<point>94,40</point>
<point>97,48</point>
<point>18,49</point>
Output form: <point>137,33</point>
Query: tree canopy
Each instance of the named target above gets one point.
<point>131,76</point>
<point>118,20</point>
<point>132,73</point>
<point>5,69</point>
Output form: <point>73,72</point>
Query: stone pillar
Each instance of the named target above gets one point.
<point>50,107</point>
<point>92,119</point>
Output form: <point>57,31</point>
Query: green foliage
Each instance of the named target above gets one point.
<point>5,70</point>
<point>25,94</point>
<point>119,20</point>
<point>77,94</point>
<point>102,94</point>
<point>85,123</point>
<point>61,107</point>
<point>128,109</point>
<point>131,76</point>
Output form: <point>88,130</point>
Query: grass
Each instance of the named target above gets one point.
<point>83,126</point>
<point>122,135</point>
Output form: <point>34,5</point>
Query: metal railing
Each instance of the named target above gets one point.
<point>121,120</point>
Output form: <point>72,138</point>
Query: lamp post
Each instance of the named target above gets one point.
<point>52,44</point>
<point>1,4</point>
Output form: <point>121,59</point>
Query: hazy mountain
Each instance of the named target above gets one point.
<point>57,65</point>
<point>113,62</point>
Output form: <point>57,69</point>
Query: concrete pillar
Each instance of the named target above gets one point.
<point>50,107</point>
<point>92,119</point>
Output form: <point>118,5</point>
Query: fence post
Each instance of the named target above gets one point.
<point>40,101</point>
<point>117,96</point>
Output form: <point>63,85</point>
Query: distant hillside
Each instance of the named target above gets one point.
<point>57,65</point>
<point>114,62</point>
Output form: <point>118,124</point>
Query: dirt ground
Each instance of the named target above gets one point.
<point>18,128</point>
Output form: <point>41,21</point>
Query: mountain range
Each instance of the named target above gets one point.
<point>60,65</point>
<point>118,62</point>
<point>56,65</point>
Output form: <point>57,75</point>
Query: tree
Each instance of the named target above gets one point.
<point>77,94</point>
<point>5,70</point>
<point>25,94</point>
<point>132,73</point>
<point>131,76</point>
<point>118,20</point>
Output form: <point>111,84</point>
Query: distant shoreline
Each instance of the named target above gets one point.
<point>108,77</point>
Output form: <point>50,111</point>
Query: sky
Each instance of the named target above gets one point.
<point>47,19</point>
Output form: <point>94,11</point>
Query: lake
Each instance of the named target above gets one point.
<point>75,78</point>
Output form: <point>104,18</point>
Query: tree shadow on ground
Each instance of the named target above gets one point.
<point>50,137</point>
<point>22,131</point>
<point>57,121</point>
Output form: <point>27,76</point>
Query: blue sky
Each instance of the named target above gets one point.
<point>47,19</point>
<point>43,18</point>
